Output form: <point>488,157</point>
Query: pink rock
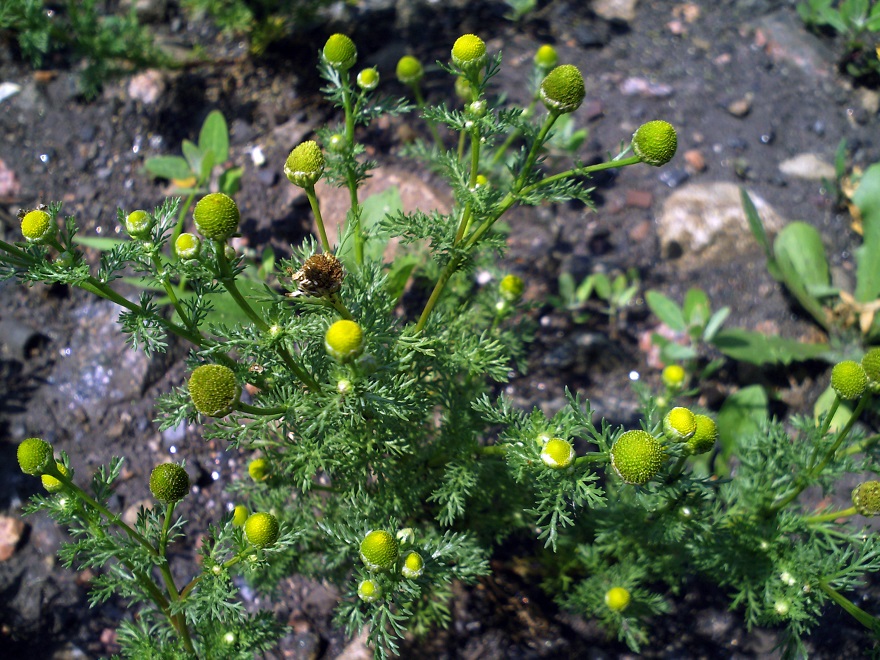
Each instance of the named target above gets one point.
<point>9,185</point>
<point>11,530</point>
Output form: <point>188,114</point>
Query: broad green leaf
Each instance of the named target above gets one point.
<point>98,243</point>
<point>585,289</point>
<point>230,181</point>
<point>760,234</point>
<point>867,199</point>
<point>207,165</point>
<point>696,308</point>
<point>373,209</point>
<point>168,167</point>
<point>602,285</point>
<point>398,275</point>
<point>823,405</point>
<point>801,259</point>
<point>757,348</point>
<point>566,288</point>
<point>742,414</point>
<point>193,157</point>
<point>673,352</point>
<point>666,310</point>
<point>215,136</point>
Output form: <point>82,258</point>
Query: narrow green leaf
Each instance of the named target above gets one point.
<point>742,414</point>
<point>215,136</point>
<point>801,259</point>
<point>193,157</point>
<point>666,310</point>
<point>867,199</point>
<point>760,234</point>
<point>714,324</point>
<point>757,348</point>
<point>696,308</point>
<point>98,243</point>
<point>230,181</point>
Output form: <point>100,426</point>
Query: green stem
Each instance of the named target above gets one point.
<point>499,153</point>
<point>491,450</point>
<point>340,307</point>
<point>826,424</point>
<point>677,469</point>
<point>319,220</point>
<point>420,104</point>
<point>831,515</point>
<point>227,564</point>
<point>592,457</point>
<point>350,174</point>
<point>577,171</point>
<point>865,444</point>
<point>870,622</point>
<point>169,291</point>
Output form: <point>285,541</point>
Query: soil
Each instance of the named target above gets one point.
<point>743,82</point>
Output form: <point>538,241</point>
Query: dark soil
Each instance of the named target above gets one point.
<point>66,374</point>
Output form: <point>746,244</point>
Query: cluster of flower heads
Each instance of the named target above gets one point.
<point>380,552</point>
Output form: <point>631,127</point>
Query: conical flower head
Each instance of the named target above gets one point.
<point>557,454</point>
<point>849,380</point>
<point>37,226</point>
<point>369,591</point>
<point>637,457</point>
<point>139,224</point>
<point>379,550</point>
<point>866,498</point>
<point>655,142</point>
<point>259,469</point>
<point>409,70</point>
<point>187,246</point>
<point>546,57</point>
<point>368,79</point>
<point>169,482</point>
<point>469,52</point>
<point>679,424</point>
<point>34,455</point>
<point>511,288</point>
<point>340,52</point>
<point>261,529</point>
<point>216,216</point>
<point>563,91</point>
<point>673,376</point>
<point>413,566</point>
<point>305,164</point>
<point>50,483</point>
<point>213,390</point>
<point>704,438</point>
<point>617,599</point>
<point>344,340</point>
<point>871,365</point>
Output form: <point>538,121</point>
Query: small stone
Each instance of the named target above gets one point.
<point>695,160</point>
<point>131,513</point>
<point>9,185</point>
<point>640,199</point>
<point>615,10</point>
<point>8,89</point>
<point>673,176</point>
<point>640,232</point>
<point>741,107</point>
<point>807,166</point>
<point>642,87</point>
<point>147,87</point>
<point>11,530</point>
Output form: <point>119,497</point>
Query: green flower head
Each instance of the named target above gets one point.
<point>557,454</point>
<point>261,529</point>
<point>50,483</point>
<point>655,142</point>
<point>546,57</point>
<point>866,498</point>
<point>379,550</point>
<point>240,515</point>
<point>344,340</point>
<point>213,390</point>
<point>617,599</point>
<point>704,438</point>
<point>563,91</point>
<point>169,483</point>
<point>511,288</point>
<point>34,455</point>
<point>37,226</point>
<point>679,424</point>
<point>469,52</point>
<point>259,469</point>
<point>216,216</point>
<point>187,246</point>
<point>368,79</point>
<point>413,565</point>
<point>673,376</point>
<point>637,457</point>
<point>849,380</point>
<point>369,591</point>
<point>409,70</point>
<point>340,52</point>
<point>305,164</point>
<point>871,365</point>
<point>139,224</point>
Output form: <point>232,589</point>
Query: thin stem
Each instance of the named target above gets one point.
<point>831,515</point>
<point>591,457</point>
<point>227,564</point>
<point>169,290</point>
<point>319,220</point>
<point>420,104</point>
<point>826,424</point>
<point>491,450</point>
<point>340,307</point>
<point>499,153</point>
<point>576,171</point>
<point>870,622</point>
<point>350,174</point>
<point>677,469</point>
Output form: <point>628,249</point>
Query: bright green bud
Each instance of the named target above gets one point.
<point>413,566</point>
<point>563,91</point>
<point>216,216</point>
<point>557,454</point>
<point>139,224</point>
<point>469,52</point>
<point>344,340</point>
<point>637,457</point>
<point>704,438</point>
<point>679,424</point>
<point>34,455</point>
<point>52,484</point>
<point>337,143</point>
<point>477,109</point>
<point>409,70</point>
<point>379,550</point>
<point>871,365</point>
<point>655,142</point>
<point>37,226</point>
<point>305,164</point>
<point>259,469</point>
<point>866,498</point>
<point>617,599</point>
<point>187,246</point>
<point>213,390</point>
<point>240,515</point>
<point>406,536</point>
<point>369,591</point>
<point>480,181</point>
<point>673,376</point>
<point>169,483</point>
<point>368,79</point>
<point>546,57</point>
<point>849,380</point>
<point>261,529</point>
<point>511,288</point>
<point>340,52</point>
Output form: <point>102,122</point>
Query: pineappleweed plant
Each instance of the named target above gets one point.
<point>380,458</point>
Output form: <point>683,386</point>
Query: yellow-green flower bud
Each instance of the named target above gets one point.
<point>849,380</point>
<point>703,440</point>
<point>368,79</point>
<point>406,536</point>
<point>866,498</point>
<point>261,529</point>
<point>305,164</point>
<point>139,224</point>
<point>557,454</point>
<point>679,424</point>
<point>637,457</point>
<point>369,591</point>
<point>617,599</point>
<point>239,515</point>
<point>480,181</point>
<point>340,52</point>
<point>37,226</point>
<point>871,365</point>
<point>169,483</point>
<point>344,340</point>
<point>187,246</point>
<point>673,376</point>
<point>34,455</point>
<point>259,469</point>
<point>655,142</point>
<point>413,566</point>
<point>379,550</point>
<point>213,390</point>
<point>546,57</point>
<point>511,288</point>
<point>216,216</point>
<point>337,143</point>
<point>409,70</point>
<point>52,484</point>
<point>563,91</point>
<point>469,52</point>
<point>477,109</point>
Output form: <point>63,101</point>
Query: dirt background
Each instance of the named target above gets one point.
<point>744,83</point>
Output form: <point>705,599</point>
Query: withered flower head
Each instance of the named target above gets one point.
<point>321,275</point>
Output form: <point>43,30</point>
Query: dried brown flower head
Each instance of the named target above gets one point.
<point>320,275</point>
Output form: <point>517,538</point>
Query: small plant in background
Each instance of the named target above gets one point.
<point>380,457</point>
<point>857,22</point>
<point>613,294</point>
